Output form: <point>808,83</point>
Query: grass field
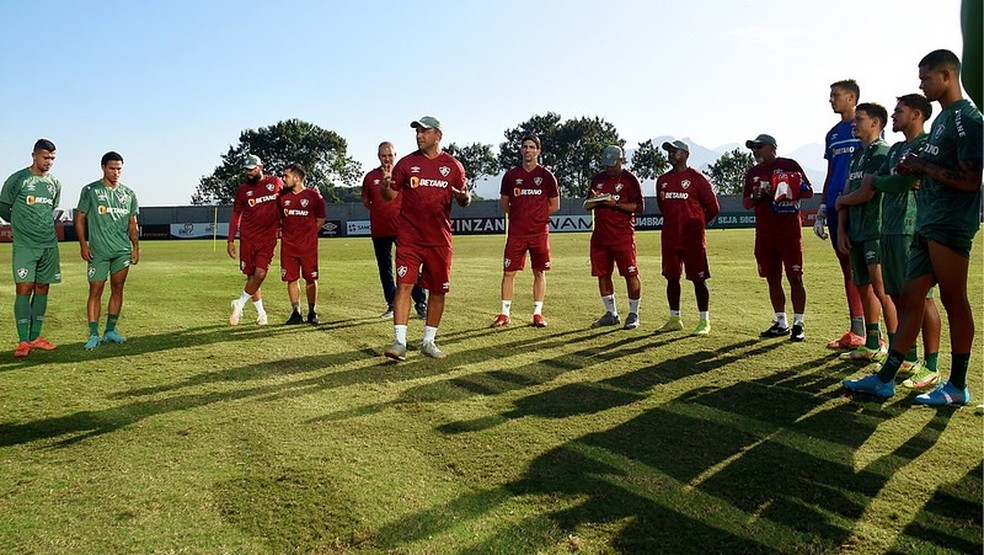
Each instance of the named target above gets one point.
<point>198,437</point>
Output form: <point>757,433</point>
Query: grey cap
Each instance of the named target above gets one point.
<point>426,122</point>
<point>611,155</point>
<point>676,145</point>
<point>251,162</point>
<point>762,139</point>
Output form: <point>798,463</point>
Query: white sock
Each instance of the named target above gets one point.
<point>705,315</point>
<point>430,334</point>
<point>798,319</point>
<point>243,298</point>
<point>537,308</point>
<point>609,301</point>
<point>634,306</point>
<point>674,314</point>
<point>506,305</point>
<point>400,333</point>
<point>781,319</point>
<point>259,306</point>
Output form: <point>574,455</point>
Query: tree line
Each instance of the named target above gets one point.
<point>571,150</point>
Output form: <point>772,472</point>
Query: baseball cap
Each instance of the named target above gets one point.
<point>762,139</point>
<point>251,162</point>
<point>427,122</point>
<point>611,156</point>
<point>677,145</point>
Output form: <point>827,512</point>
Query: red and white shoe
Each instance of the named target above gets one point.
<point>539,321</point>
<point>500,320</point>
<point>23,349</point>
<point>849,340</point>
<point>43,344</point>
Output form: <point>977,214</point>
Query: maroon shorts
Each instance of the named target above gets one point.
<point>694,259</point>
<point>429,267</point>
<point>604,258</point>
<point>774,254</point>
<point>255,255</point>
<point>514,255</point>
<point>293,268</point>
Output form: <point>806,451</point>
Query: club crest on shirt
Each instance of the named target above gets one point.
<point>304,203</point>
<point>269,187</point>
<point>124,198</point>
<point>618,187</point>
<point>51,189</point>
<point>401,271</point>
<point>537,181</point>
<point>685,183</point>
<point>938,132</point>
<point>445,171</point>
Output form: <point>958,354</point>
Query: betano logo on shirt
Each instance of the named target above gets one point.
<point>113,211</point>
<point>518,192</point>
<point>32,200</point>
<point>674,195</point>
<point>419,182</point>
<point>295,212</point>
<point>260,200</point>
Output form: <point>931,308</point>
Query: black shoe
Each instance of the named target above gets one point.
<point>313,318</point>
<point>421,309</point>
<point>797,334</point>
<point>295,318</point>
<point>775,331</point>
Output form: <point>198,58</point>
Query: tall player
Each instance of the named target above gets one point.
<point>613,237</point>
<point>302,213</point>
<point>949,169</point>
<point>687,202</point>
<point>840,145</point>
<point>528,194</point>
<point>254,215</point>
<point>859,231</point>
<point>429,180</point>
<point>774,187</point>
<point>27,201</point>
<point>108,211</point>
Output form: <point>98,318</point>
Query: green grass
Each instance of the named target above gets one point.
<point>197,437</point>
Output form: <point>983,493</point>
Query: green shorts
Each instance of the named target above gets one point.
<point>894,254</point>
<point>36,265</point>
<point>102,267</point>
<point>920,263</point>
<point>862,254</point>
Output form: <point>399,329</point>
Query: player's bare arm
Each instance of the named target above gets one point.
<point>967,178</point>
<point>80,228</point>
<point>133,231</point>
<point>863,194</point>
<point>554,204</point>
<point>843,242</point>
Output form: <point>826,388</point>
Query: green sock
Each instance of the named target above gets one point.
<point>111,322</point>
<point>38,307</point>
<point>912,355</point>
<point>958,374</point>
<point>94,328</point>
<point>891,367</point>
<point>872,335</point>
<point>891,339</point>
<point>22,315</point>
<point>931,360</point>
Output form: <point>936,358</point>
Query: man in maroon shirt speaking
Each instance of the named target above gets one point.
<point>687,203</point>
<point>428,180</point>
<point>774,187</point>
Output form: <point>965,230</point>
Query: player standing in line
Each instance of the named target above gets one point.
<point>840,145</point>
<point>949,169</point>
<point>774,187</point>
<point>384,217</point>
<point>528,195</point>
<point>687,202</point>
<point>859,231</point>
<point>302,213</point>
<point>28,200</point>
<point>108,211</point>
<point>613,237</point>
<point>428,179</point>
<point>898,223</point>
<point>254,214</point>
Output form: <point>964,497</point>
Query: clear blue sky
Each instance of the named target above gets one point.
<point>170,85</point>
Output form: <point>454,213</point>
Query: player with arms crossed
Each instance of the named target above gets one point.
<point>254,215</point>
<point>529,194</point>
<point>28,200</point>
<point>688,203</point>
<point>302,213</point>
<point>107,214</point>
<point>774,187</point>
<point>429,180</point>
<point>949,198</point>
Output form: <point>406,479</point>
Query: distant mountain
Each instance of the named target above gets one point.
<point>810,156</point>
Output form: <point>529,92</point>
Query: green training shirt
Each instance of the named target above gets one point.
<point>107,216</point>
<point>864,220</point>
<point>32,199</point>
<point>898,210</point>
<point>955,136</point>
